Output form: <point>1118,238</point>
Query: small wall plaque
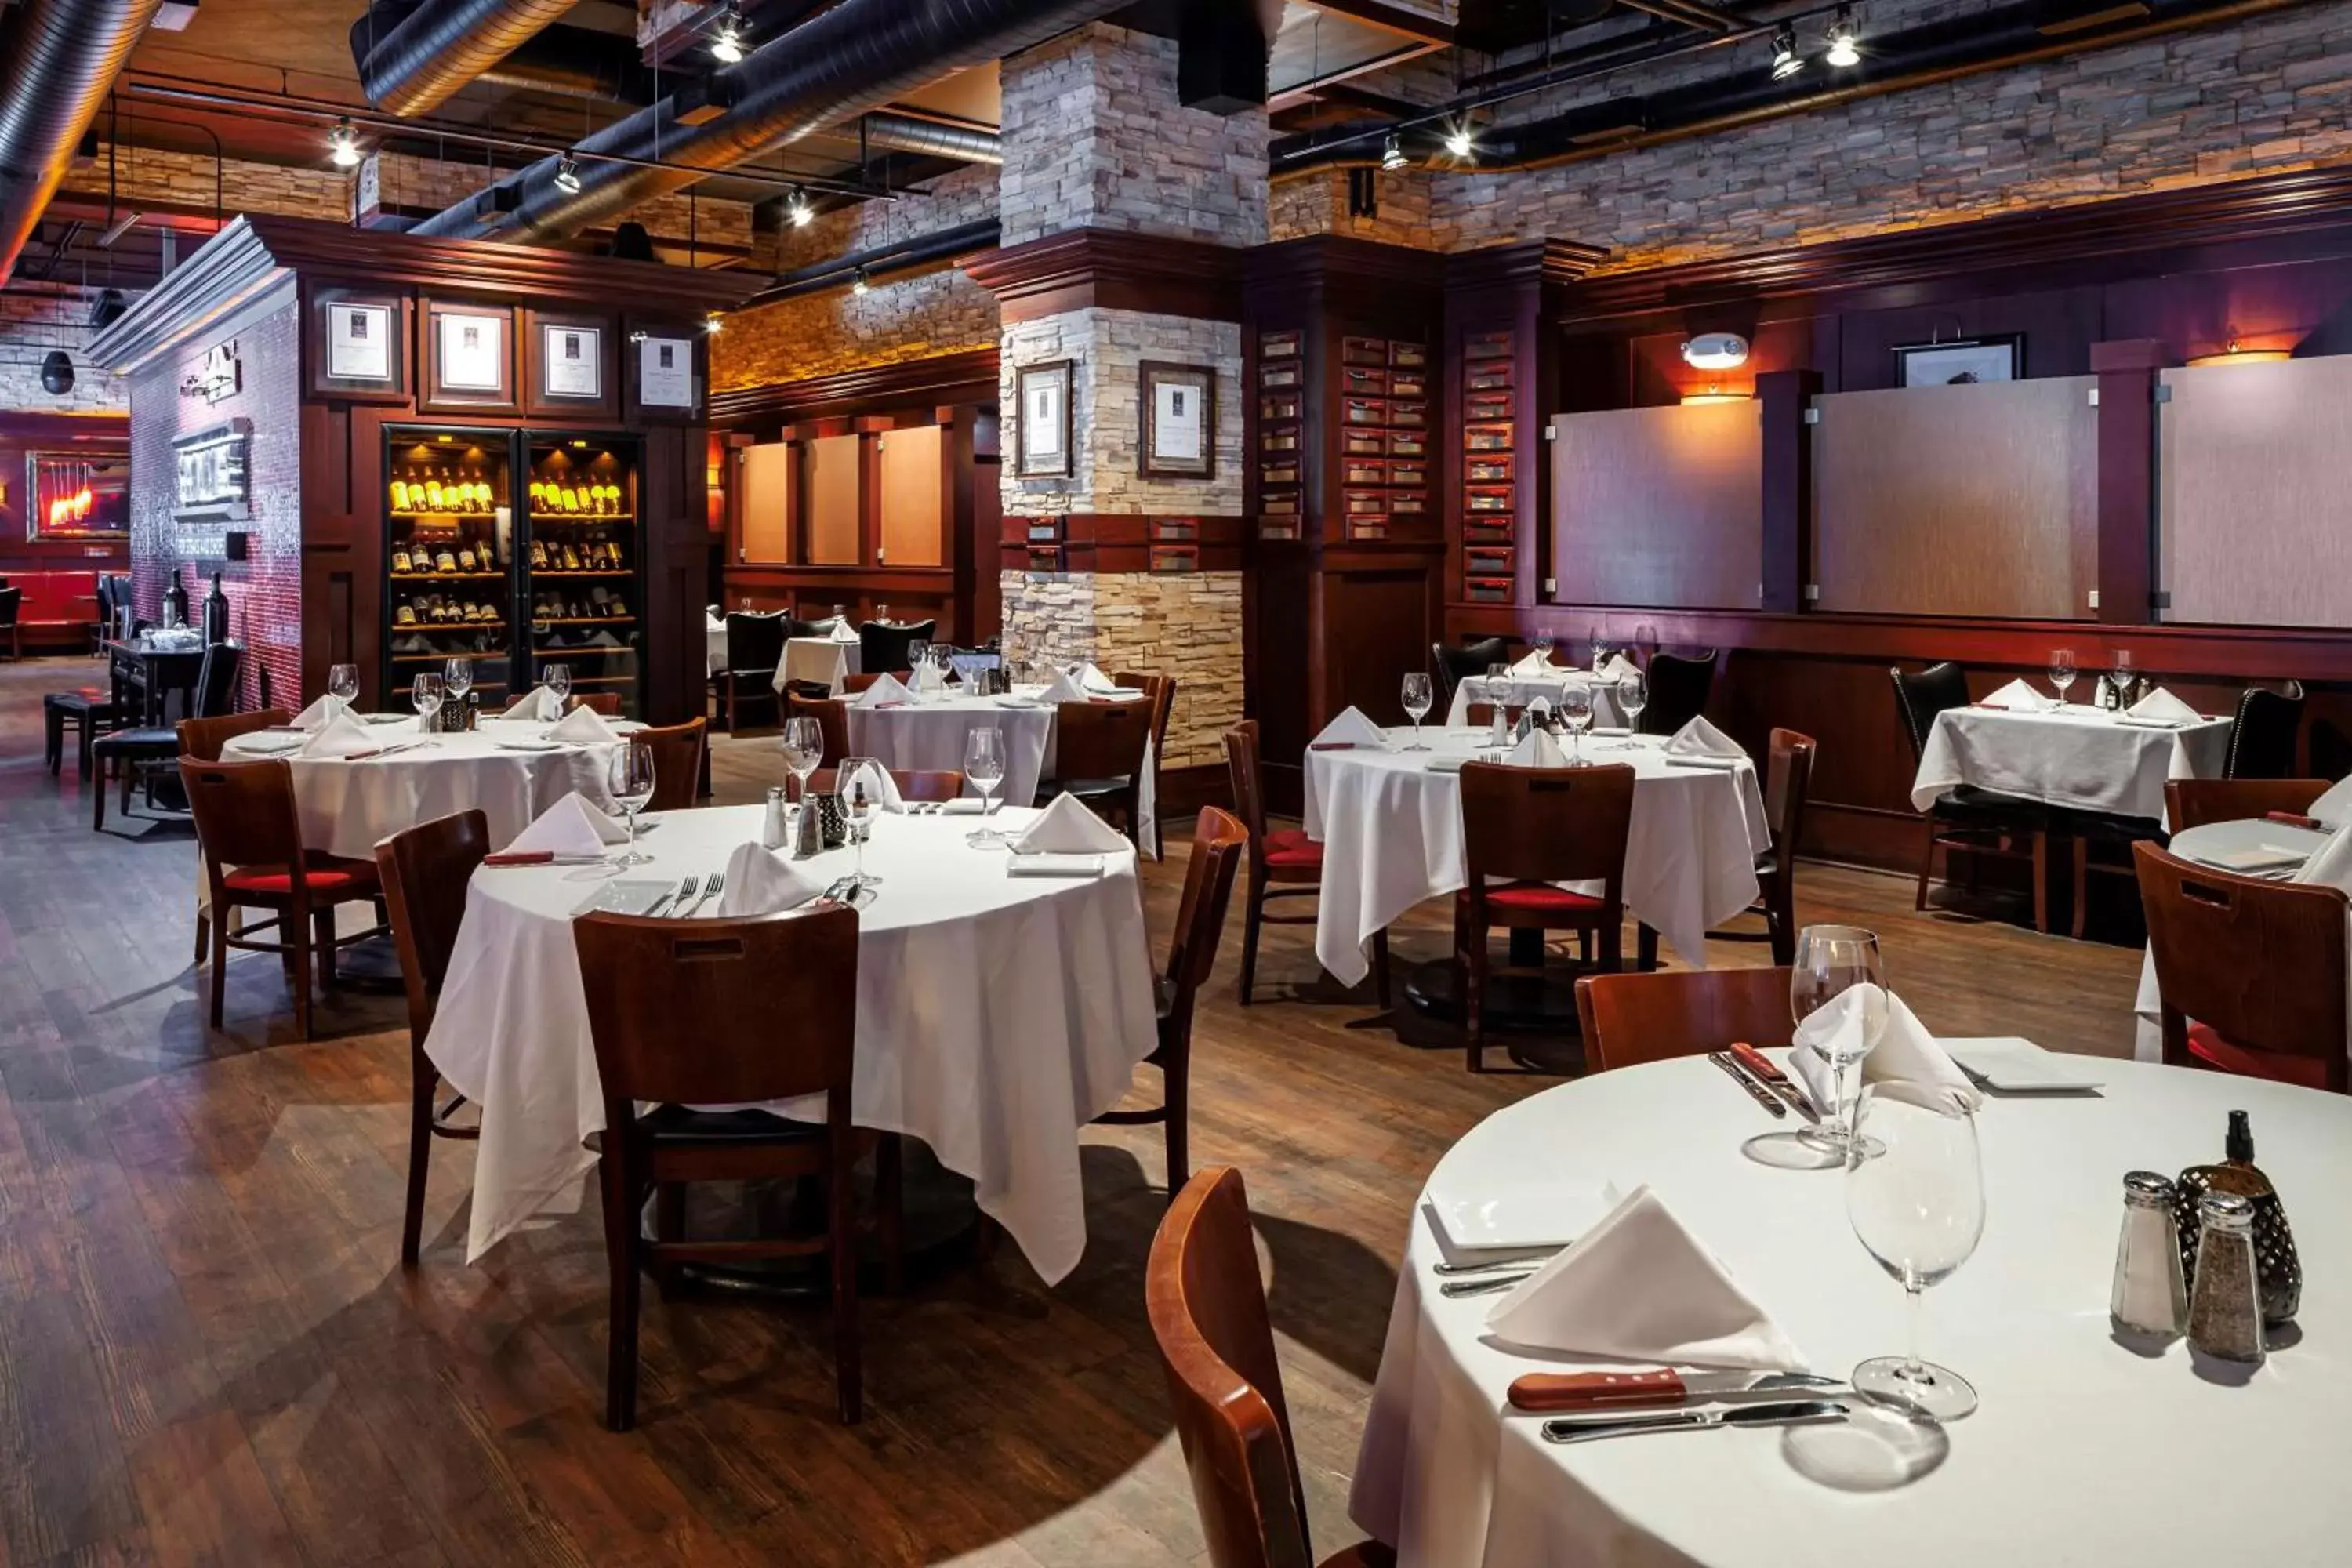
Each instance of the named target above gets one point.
<point>212,478</point>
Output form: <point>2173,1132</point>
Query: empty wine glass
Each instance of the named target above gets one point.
<point>2126,680</point>
<point>882,613</point>
<point>1831,961</point>
<point>1543,648</point>
<point>1632,696</point>
<point>804,748</point>
<point>1576,712</point>
<point>629,777</point>
<point>427,695</point>
<point>458,676</point>
<point>1917,1203</point>
<point>983,764</point>
<point>1601,648</point>
<point>919,657</point>
<point>859,801</point>
<point>1417,701</point>
<point>343,683</point>
<point>2061,670</point>
<point>556,677</point>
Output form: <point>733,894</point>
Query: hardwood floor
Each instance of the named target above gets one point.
<point>209,1354</point>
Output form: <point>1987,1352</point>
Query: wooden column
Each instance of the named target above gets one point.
<point>1785,396</point>
<point>2127,576</point>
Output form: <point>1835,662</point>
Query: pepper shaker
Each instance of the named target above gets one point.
<point>808,836</point>
<point>2149,1295</point>
<point>2225,1312</point>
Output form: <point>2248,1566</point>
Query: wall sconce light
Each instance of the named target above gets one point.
<point>1716,350</point>
<point>1715,395</point>
<point>2235,354</point>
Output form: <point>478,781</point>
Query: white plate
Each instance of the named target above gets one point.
<point>521,745</point>
<point>624,898</point>
<point>1529,1215</point>
<point>2017,1065</point>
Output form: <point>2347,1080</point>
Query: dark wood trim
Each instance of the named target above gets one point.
<point>2127,375</point>
<point>1115,270</point>
<point>968,376</point>
<point>1784,396</point>
<point>1125,542</point>
<point>33,428</point>
<point>465,402</point>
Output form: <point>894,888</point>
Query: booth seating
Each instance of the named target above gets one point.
<point>57,608</point>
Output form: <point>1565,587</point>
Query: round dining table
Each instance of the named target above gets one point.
<point>2083,1451</point>
<point>996,1016</point>
<point>1518,691</point>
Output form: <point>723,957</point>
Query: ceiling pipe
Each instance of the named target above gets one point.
<point>58,60</point>
<point>413,60</point>
<point>905,256</point>
<point>854,58</point>
<point>906,133</point>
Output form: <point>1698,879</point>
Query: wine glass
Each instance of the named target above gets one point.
<point>2126,677</point>
<point>804,748</point>
<point>1918,1205</point>
<point>343,683</point>
<point>882,613</point>
<point>556,679</point>
<point>630,779</point>
<point>1632,696</point>
<point>427,695</point>
<point>1601,648</point>
<point>458,676</point>
<point>1417,701</point>
<point>1543,648</point>
<point>1831,961</point>
<point>1576,712</point>
<point>2061,670</point>
<point>983,764</point>
<point>918,655</point>
<point>858,808</point>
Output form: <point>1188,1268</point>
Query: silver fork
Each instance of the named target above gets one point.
<point>710,891</point>
<point>676,902</point>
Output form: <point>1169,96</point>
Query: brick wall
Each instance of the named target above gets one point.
<point>149,175</point>
<point>428,184</point>
<point>1188,626</point>
<point>31,325</point>
<point>1317,203</point>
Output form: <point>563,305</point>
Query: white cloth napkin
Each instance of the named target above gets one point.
<point>881,789</point>
<point>1700,738</point>
<point>341,736</point>
<point>1639,1286</point>
<point>1538,750</point>
<point>2162,705</point>
<point>760,881</point>
<point>582,724</point>
<point>843,632</point>
<point>1351,728</point>
<point>1616,667</point>
<point>1061,689</point>
<point>572,826</point>
<point>1067,827</point>
<point>1535,664</point>
<point>2018,698</point>
<point>2331,866</point>
<point>887,688</point>
<point>2333,807</point>
<point>539,703</point>
<point>315,717</point>
<point>1095,683</point>
<point>1905,1051</point>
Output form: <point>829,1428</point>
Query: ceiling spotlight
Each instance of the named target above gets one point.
<point>714,323</point>
<point>727,40</point>
<point>567,175</point>
<point>1393,152</point>
<point>797,208</point>
<point>1458,142</point>
<point>1786,61</point>
<point>1845,44</point>
<point>857,284</point>
<point>1716,350</point>
<point>343,145</point>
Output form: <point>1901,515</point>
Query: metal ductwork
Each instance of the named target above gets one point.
<point>859,55</point>
<point>56,61</point>
<point>905,133</point>
<point>413,60</point>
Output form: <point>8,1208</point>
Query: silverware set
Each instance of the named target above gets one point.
<point>690,896</point>
<point>1755,1089</point>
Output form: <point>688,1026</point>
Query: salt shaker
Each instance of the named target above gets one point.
<point>2148,1297</point>
<point>772,827</point>
<point>2225,1310</point>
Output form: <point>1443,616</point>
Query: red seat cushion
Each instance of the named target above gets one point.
<point>327,877</point>
<point>2210,1049</point>
<point>1290,848</point>
<point>1536,899</point>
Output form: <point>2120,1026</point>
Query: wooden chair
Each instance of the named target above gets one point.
<point>132,753</point>
<point>1218,840</point>
<point>1098,750</point>
<point>2253,972</point>
<point>1284,863</point>
<point>2193,803</point>
<point>832,715</point>
<point>1160,693</point>
<point>424,873</point>
<point>1966,817</point>
<point>1633,1018</point>
<point>2262,741</point>
<point>914,784</point>
<point>204,739</point>
<point>604,703</point>
<point>1207,1306</point>
<point>1524,829</point>
<point>1679,690</point>
<point>771,1005</point>
<point>678,763</point>
<point>245,818</point>
<point>1788,782</point>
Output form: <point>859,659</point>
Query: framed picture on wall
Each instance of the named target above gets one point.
<point>1044,392</point>
<point>1961,362</point>
<point>1180,420</point>
<point>469,353</point>
<point>358,346</point>
<point>661,372</point>
<point>570,359</point>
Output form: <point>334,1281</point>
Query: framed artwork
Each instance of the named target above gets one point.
<point>662,373</point>
<point>1961,361</point>
<point>357,344</point>
<point>468,356</point>
<point>570,359</point>
<point>1180,420</point>
<point>1044,392</point>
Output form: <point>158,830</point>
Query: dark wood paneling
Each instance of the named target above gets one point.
<point>1110,268</point>
<point>968,378</point>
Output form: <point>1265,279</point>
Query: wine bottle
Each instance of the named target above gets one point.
<point>175,602</point>
<point>464,558</point>
<point>446,560</point>
<point>400,495</point>
<point>215,613</point>
<point>400,561</point>
<point>406,616</point>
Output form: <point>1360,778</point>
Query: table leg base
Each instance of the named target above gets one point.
<point>1533,1017</point>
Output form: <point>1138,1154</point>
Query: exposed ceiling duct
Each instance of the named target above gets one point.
<point>905,133</point>
<point>412,60</point>
<point>854,58</point>
<point>57,60</point>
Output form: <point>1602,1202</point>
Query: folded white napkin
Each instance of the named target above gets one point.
<point>2160,704</point>
<point>881,789</point>
<point>887,688</point>
<point>760,881</point>
<point>314,718</point>
<point>341,736</point>
<point>844,632</point>
<point>1095,683</point>
<point>573,825</point>
<point>1616,667</point>
<point>1535,664</point>
<point>1538,751</point>
<point>2018,698</point>
<point>1061,689</point>
<point>1084,866</point>
<point>539,703</point>
<point>1067,827</point>
<point>2334,806</point>
<point>1905,1051</point>
<point>1639,1286</point>
<point>581,724</point>
<point>1700,738</point>
<point>1351,728</point>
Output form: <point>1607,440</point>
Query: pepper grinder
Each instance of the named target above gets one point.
<point>2148,1295</point>
<point>2225,1312</point>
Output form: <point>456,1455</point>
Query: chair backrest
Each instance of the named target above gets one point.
<point>721,1012</point>
<point>832,715</point>
<point>1630,1018</point>
<point>607,703</point>
<point>244,812</point>
<point>881,646</point>
<point>1920,695</point>
<point>755,639</point>
<point>1452,666</point>
<point>1159,695</point>
<point>2260,963</point>
<point>1679,689</point>
<point>204,738</point>
<point>1788,782</point>
<point>2262,741</point>
<point>1249,789</point>
<point>2193,803</point>
<point>1219,841</point>
<point>1546,824</point>
<point>12,604</point>
<point>914,783</point>
<point>1207,1306</point>
<point>216,691</point>
<point>426,872</point>
<point>678,763</point>
<point>1100,740</point>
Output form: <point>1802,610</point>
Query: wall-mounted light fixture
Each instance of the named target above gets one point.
<point>2237,354</point>
<point>1786,61</point>
<point>1716,350</point>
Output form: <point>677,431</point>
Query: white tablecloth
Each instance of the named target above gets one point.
<point>347,808</point>
<point>996,1016</point>
<point>821,660</point>
<point>1392,835</point>
<point>930,735</point>
<point>2082,1452</point>
<point>2080,758</point>
<point>1520,690</point>
<point>714,641</point>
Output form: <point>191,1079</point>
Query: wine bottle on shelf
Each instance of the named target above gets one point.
<point>399,495</point>
<point>465,557</point>
<point>400,560</point>
<point>571,558</point>
<point>538,555</point>
<point>446,560</point>
<point>406,616</point>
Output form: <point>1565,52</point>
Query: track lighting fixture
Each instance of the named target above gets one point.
<point>797,208</point>
<point>1845,44</point>
<point>343,145</point>
<point>567,175</point>
<point>1393,152</point>
<point>857,284</point>
<point>1786,61</point>
<point>727,38</point>
<point>1458,142</point>
<point>714,323</point>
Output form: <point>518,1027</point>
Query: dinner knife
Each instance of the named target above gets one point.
<point>1484,1286</point>
<point>1762,1066</point>
<point>1756,1092</point>
<point>1549,1392</point>
<point>1786,1413</point>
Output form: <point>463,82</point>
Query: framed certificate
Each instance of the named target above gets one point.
<point>665,371</point>
<point>1180,420</point>
<point>469,357</point>
<point>1043,428</point>
<point>570,365</point>
<point>357,345</point>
